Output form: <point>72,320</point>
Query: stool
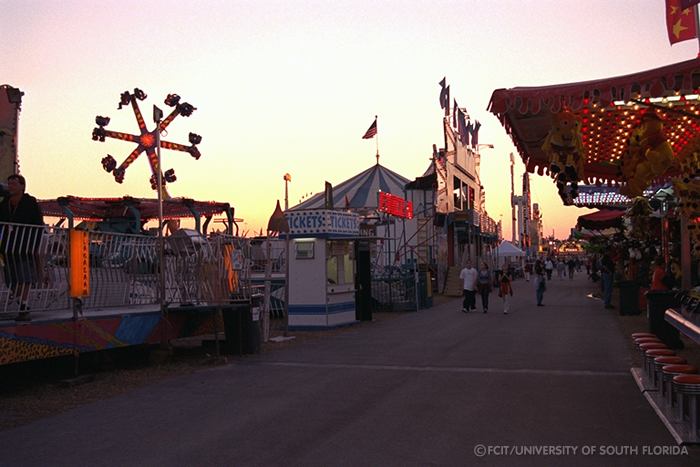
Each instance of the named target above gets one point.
<point>688,386</point>
<point>644,340</point>
<point>668,372</point>
<point>642,334</point>
<point>652,346</point>
<point>657,363</point>
<point>649,357</point>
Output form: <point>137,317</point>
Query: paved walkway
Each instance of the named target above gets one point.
<point>427,388</point>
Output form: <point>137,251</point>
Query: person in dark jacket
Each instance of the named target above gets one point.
<point>607,269</point>
<point>20,242</point>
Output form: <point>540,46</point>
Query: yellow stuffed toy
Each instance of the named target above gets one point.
<point>654,158</point>
<point>564,147</point>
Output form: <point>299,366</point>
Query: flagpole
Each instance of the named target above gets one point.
<point>377,139</point>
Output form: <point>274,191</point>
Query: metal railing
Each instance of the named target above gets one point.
<point>34,267</point>
<point>124,269</point>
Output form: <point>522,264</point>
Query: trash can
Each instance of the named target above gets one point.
<point>242,327</point>
<point>658,301</point>
<point>425,295</point>
<point>629,298</point>
<point>233,329</point>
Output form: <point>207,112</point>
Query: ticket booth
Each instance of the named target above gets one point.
<point>322,268</point>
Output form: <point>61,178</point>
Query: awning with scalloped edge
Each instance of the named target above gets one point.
<point>608,110</point>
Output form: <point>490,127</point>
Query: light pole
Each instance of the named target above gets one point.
<point>287,178</point>
<point>157,119</point>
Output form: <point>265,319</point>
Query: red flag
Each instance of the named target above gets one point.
<point>681,23</point>
<point>372,130</point>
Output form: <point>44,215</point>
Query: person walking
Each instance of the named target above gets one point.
<point>528,270</point>
<point>561,269</point>
<point>483,283</point>
<point>607,269</point>
<point>549,268</point>
<point>540,282</point>
<point>468,275</point>
<point>20,242</point>
<point>505,291</point>
<point>571,264</point>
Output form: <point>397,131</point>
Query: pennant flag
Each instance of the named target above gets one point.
<point>442,84</point>
<point>462,128</point>
<point>475,134</point>
<point>372,130</point>
<point>681,22</point>
<point>445,97</point>
<point>455,109</point>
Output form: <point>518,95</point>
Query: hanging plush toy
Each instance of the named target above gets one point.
<point>638,214</point>
<point>564,147</point>
<point>654,158</point>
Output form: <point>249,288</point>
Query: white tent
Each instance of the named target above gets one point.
<point>508,254</point>
<point>508,249</point>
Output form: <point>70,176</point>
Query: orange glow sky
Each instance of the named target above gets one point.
<point>291,86</point>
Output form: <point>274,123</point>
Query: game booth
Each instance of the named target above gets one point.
<point>612,143</point>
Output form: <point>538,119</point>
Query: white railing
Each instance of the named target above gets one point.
<point>124,269</point>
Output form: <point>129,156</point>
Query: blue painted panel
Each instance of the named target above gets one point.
<point>135,329</point>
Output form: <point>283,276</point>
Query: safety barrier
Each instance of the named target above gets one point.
<point>124,269</point>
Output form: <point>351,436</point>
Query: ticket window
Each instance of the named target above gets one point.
<point>340,263</point>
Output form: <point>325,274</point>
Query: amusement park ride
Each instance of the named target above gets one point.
<point>134,292</point>
<point>148,140</point>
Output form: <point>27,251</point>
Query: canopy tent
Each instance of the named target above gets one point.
<point>95,209</point>
<point>359,193</point>
<point>128,214</point>
<point>508,249</point>
<point>608,110</point>
<point>603,219</point>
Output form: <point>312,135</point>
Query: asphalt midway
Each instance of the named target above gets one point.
<point>540,386</point>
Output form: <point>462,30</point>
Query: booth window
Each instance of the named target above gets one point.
<point>340,268</point>
<point>304,250</point>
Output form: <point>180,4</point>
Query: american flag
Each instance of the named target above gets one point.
<point>372,130</point>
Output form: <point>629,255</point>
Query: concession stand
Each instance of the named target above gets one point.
<point>617,143</point>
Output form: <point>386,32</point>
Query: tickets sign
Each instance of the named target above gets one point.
<point>323,223</point>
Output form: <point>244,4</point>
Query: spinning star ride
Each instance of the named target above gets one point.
<point>148,140</point>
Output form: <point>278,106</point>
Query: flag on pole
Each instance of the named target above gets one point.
<point>681,21</point>
<point>445,97</point>
<point>372,130</point>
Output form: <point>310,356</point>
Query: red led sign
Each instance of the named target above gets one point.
<point>395,206</point>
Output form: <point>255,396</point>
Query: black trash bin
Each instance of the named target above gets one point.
<point>658,301</point>
<point>233,328</point>
<point>629,298</point>
<point>242,327</point>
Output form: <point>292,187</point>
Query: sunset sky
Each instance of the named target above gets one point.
<point>291,86</point>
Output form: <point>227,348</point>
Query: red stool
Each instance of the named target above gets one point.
<point>657,363</point>
<point>668,372</point>
<point>642,334</point>
<point>650,355</point>
<point>641,340</point>
<point>688,386</point>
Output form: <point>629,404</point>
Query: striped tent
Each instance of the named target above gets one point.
<point>359,193</point>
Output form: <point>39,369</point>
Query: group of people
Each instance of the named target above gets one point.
<point>481,282</point>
